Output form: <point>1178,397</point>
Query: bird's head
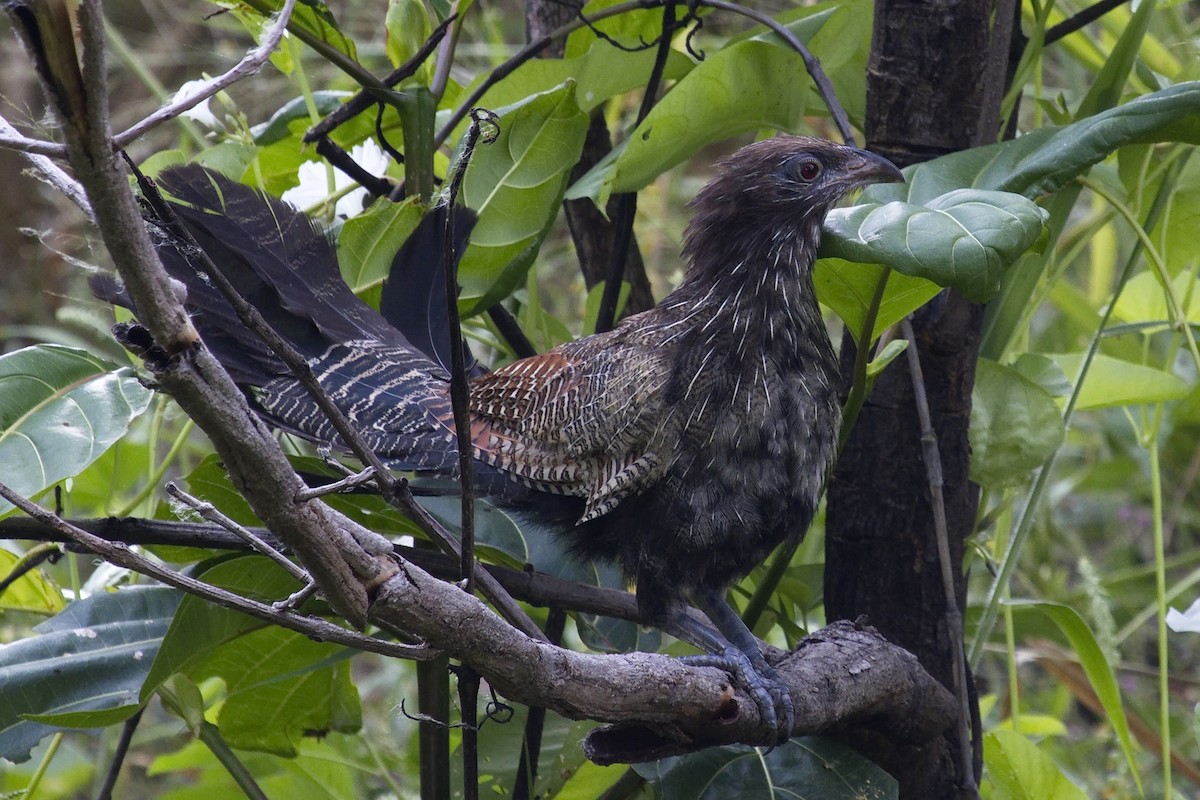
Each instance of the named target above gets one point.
<point>779,189</point>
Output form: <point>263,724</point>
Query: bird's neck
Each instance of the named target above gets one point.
<point>754,289</point>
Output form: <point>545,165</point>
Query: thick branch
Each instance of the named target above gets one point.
<point>840,678</point>
<point>843,679</point>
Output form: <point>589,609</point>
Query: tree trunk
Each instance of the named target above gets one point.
<point>935,79</point>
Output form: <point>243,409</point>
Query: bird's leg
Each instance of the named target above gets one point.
<point>733,648</point>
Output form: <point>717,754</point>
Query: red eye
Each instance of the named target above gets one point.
<point>809,170</point>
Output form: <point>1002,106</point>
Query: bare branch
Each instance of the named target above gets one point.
<point>209,512</point>
<point>119,553</point>
<point>43,168</point>
<point>250,64</point>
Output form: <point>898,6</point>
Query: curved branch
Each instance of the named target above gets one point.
<point>119,553</point>
<point>251,63</point>
<point>662,704</point>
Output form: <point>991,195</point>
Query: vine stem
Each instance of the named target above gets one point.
<point>954,621</point>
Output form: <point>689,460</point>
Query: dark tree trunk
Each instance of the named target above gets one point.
<point>932,88</point>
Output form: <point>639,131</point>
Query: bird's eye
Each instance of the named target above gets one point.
<point>808,169</point>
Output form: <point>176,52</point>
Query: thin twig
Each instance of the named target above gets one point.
<point>29,562</point>
<point>820,79</point>
<point>250,64</point>
<point>45,169</point>
<point>626,211</point>
<point>349,482</point>
<point>118,758</point>
<point>527,585</point>
<point>526,53</point>
<point>1085,17</point>
<point>120,554</point>
<point>365,99</point>
<point>483,127</point>
<point>209,512</point>
<point>954,623</point>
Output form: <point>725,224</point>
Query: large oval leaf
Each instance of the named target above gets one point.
<point>807,766</point>
<point>1015,426</point>
<point>1044,160</point>
<point>60,408</point>
<point>85,668</point>
<point>756,83</point>
<point>965,238</point>
<point>1114,382</point>
<point>516,185</point>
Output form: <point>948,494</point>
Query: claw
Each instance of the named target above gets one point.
<point>760,681</point>
<point>733,648</point>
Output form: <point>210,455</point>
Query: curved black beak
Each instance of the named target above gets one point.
<point>864,167</point>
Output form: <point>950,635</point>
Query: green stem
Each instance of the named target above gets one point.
<point>43,766</point>
<point>1178,318</point>
<point>1160,591</point>
<point>211,736</point>
<point>156,477</point>
<point>862,357</point>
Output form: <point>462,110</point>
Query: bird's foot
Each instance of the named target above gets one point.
<point>760,681</point>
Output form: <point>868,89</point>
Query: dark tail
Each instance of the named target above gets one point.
<point>393,387</point>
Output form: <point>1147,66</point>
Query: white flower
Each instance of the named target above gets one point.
<point>1186,621</point>
<point>199,112</point>
<point>313,187</point>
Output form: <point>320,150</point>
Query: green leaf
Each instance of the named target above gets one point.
<point>199,627</point>
<point>85,668</point>
<point>1144,299</point>
<point>311,19</point>
<point>1113,382</point>
<point>368,242</point>
<point>600,74</point>
<point>1095,665</point>
<point>754,83</point>
<point>1044,372</point>
<point>407,25</point>
<point>1015,426</point>
<point>890,353</point>
<point>1109,82</point>
<point>515,185</point>
<point>808,766</point>
<point>279,127</point>
<point>1054,156</point>
<point>60,409</point>
<point>848,288</point>
<point>1043,161</point>
<point>1019,771</point>
<point>965,238</point>
<point>33,591</point>
<point>279,683</point>
<point>281,686</point>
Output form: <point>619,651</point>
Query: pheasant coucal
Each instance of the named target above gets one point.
<point>686,444</point>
